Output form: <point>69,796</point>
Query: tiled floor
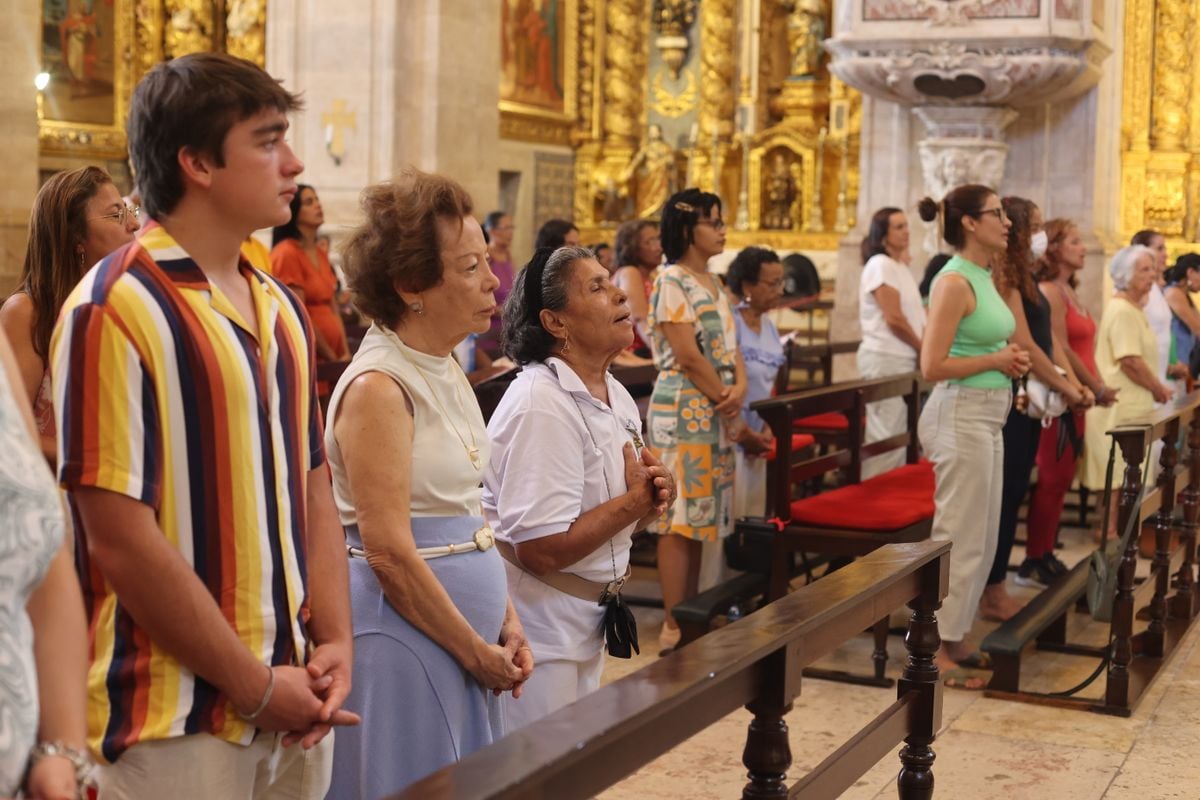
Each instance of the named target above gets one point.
<point>987,748</point>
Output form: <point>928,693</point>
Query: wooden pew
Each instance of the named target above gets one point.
<point>1137,652</point>
<point>756,662</point>
<point>857,517</point>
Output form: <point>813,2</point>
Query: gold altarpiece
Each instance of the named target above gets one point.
<point>141,34</point>
<point>1160,122</point>
<point>770,130</point>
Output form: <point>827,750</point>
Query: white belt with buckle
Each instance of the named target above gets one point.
<point>482,540</point>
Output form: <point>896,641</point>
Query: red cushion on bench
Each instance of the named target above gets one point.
<point>833,421</point>
<point>896,499</point>
<point>799,442</point>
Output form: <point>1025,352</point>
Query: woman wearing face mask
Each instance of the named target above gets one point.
<point>1014,280</point>
<point>1061,444</point>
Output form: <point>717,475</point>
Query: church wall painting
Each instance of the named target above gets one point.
<point>78,54</point>
<point>86,49</point>
<point>532,63</point>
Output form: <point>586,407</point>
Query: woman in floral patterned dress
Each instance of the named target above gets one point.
<point>697,399</point>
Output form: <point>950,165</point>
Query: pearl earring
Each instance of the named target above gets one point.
<point>417,307</point>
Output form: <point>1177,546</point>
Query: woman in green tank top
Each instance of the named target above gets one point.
<point>966,351</point>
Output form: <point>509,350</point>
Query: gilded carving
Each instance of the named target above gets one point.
<point>245,29</point>
<point>717,48</point>
<point>1172,78</point>
<point>588,42</point>
<point>189,28</point>
<point>622,72</point>
<point>672,18</point>
<point>533,129</point>
<point>671,105</point>
<point>806,30</point>
<point>1139,48</point>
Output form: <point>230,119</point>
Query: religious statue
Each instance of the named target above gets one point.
<point>782,194</point>
<point>805,32</point>
<point>189,28</point>
<point>652,175</point>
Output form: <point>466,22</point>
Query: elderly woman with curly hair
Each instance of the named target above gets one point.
<point>435,637</point>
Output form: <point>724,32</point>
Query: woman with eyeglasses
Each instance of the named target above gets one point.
<point>78,218</point>
<point>966,351</point>
<point>696,405</point>
<point>892,318</point>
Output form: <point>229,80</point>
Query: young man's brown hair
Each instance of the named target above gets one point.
<point>192,101</point>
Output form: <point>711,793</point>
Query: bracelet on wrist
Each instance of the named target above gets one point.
<point>266,698</point>
<point>79,759</point>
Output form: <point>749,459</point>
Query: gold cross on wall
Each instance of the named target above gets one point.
<point>334,122</point>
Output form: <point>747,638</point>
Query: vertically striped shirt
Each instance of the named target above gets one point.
<point>164,393</point>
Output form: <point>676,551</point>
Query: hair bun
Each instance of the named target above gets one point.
<point>928,208</point>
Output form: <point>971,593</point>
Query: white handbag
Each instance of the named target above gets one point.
<point>1042,402</point>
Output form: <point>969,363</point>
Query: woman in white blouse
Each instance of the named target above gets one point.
<point>892,318</point>
<point>568,481</point>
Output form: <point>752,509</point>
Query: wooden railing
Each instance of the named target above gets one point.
<point>1137,657</point>
<point>1137,649</point>
<point>755,662</point>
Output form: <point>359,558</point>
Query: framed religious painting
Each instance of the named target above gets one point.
<point>86,77</point>
<point>539,44</point>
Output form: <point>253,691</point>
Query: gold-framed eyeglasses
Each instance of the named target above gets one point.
<point>122,215</point>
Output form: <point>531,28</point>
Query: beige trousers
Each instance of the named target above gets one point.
<point>960,431</point>
<point>887,417</point>
<point>204,767</point>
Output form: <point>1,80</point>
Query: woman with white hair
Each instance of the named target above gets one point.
<point>1126,358</point>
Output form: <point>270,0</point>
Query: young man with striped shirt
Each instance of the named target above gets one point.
<point>212,561</point>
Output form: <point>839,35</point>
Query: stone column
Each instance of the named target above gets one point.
<point>18,131</point>
<point>388,83</point>
<point>963,144</point>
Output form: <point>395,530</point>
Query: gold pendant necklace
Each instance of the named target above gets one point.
<point>471,450</point>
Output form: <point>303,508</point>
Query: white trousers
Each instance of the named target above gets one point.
<point>887,417</point>
<point>204,767</point>
<point>960,430</point>
<point>552,685</point>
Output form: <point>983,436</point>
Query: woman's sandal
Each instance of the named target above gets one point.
<point>964,679</point>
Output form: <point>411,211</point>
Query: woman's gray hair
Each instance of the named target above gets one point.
<point>1124,262</point>
<point>522,337</point>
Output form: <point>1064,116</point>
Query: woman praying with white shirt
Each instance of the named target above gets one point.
<point>568,481</point>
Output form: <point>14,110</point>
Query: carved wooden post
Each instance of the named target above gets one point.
<point>1183,603</point>
<point>768,753</point>
<point>1161,569</point>
<point>915,781</point>
<point>1132,444</point>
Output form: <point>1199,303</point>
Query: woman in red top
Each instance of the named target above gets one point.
<point>1060,445</point>
<point>639,254</point>
<point>298,262</point>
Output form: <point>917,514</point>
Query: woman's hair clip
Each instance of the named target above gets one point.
<point>686,208</point>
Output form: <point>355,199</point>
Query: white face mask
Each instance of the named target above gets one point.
<point>1038,243</point>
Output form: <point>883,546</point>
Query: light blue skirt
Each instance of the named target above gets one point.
<point>420,709</point>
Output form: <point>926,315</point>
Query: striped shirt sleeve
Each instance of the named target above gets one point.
<point>104,406</point>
